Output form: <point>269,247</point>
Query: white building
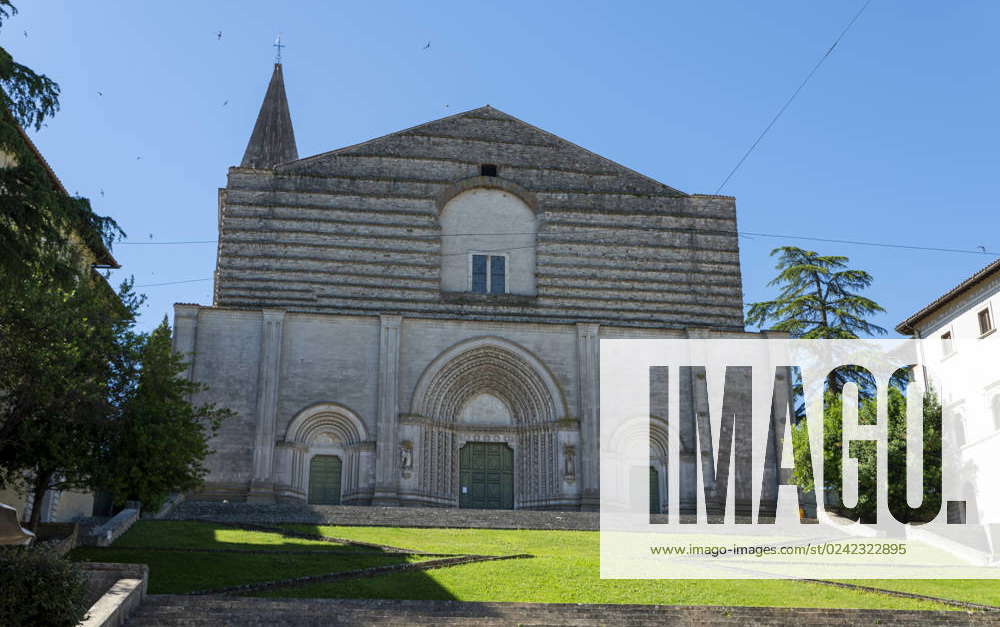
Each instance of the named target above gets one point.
<point>960,356</point>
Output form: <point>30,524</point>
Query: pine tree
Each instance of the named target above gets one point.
<point>157,441</point>
<point>819,298</point>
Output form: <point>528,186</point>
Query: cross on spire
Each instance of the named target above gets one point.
<point>279,46</point>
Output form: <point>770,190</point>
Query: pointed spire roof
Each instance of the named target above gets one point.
<point>273,140</point>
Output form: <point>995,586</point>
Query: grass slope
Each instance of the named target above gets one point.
<point>179,571</point>
<point>566,570</point>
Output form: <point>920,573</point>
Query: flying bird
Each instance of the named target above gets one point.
<point>982,248</point>
<point>102,192</point>
<point>225,103</point>
<point>150,236</point>
<point>25,34</point>
<point>137,158</point>
<point>426,46</point>
<point>218,35</point>
<point>100,93</point>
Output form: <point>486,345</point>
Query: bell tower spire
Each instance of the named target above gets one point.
<point>273,140</point>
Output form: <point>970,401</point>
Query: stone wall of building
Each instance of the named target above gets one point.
<point>390,396</point>
<point>357,230</point>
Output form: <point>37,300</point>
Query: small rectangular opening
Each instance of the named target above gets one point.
<point>488,169</point>
<point>985,321</point>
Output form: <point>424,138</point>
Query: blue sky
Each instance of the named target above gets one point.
<point>894,139</point>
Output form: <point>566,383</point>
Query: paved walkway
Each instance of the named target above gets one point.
<point>253,513</point>
<point>246,611</point>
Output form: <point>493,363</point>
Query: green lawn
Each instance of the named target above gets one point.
<point>564,569</point>
<point>178,571</point>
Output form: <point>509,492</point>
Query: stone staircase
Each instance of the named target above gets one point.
<point>246,612</point>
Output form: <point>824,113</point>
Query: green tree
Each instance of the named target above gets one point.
<point>35,211</point>
<point>865,452</point>
<point>818,299</point>
<point>158,440</point>
<point>63,372</point>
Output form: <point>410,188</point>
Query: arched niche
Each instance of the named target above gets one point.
<point>492,223</point>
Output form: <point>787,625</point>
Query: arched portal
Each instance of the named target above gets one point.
<point>495,394</point>
<point>326,457</point>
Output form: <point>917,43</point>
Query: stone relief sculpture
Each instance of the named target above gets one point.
<point>406,456</point>
<point>569,455</point>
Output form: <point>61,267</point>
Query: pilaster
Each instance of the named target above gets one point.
<point>185,335</point>
<point>387,427</point>
<point>587,359</point>
<point>268,373</point>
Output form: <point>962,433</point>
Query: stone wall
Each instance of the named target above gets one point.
<point>388,395</point>
<point>358,230</point>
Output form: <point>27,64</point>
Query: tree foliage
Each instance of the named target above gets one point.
<point>156,444</point>
<point>65,370</point>
<point>866,455</point>
<point>40,588</point>
<point>85,401</point>
<point>819,298</point>
<point>34,209</point>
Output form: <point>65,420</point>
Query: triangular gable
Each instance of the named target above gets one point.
<point>490,134</point>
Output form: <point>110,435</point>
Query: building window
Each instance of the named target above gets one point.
<point>488,274</point>
<point>985,321</point>
<point>488,169</point>
<point>946,344</point>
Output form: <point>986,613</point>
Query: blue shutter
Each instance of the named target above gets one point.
<point>479,274</point>
<point>498,275</point>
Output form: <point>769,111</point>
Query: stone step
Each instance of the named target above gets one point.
<point>251,612</point>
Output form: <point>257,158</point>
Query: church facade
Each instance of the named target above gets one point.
<point>415,319</point>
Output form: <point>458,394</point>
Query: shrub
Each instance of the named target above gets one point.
<point>39,587</point>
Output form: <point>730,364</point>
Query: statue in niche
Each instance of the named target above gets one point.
<point>406,455</point>
<point>569,456</point>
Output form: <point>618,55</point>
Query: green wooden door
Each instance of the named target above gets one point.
<point>654,491</point>
<point>486,476</point>
<point>324,480</point>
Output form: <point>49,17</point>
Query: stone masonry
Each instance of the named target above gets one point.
<point>346,324</point>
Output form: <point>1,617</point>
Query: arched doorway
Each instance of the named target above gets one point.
<point>324,480</point>
<point>486,476</point>
<point>491,392</point>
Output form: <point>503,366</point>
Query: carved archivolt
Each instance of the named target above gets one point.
<point>326,423</point>
<point>488,366</point>
<point>478,368</point>
<point>328,429</point>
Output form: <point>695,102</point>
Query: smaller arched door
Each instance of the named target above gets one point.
<point>324,480</point>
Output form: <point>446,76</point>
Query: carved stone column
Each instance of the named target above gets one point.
<point>587,358</point>
<point>387,423</point>
<point>268,373</point>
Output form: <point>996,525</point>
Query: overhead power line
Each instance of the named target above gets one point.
<point>979,251</point>
<point>792,97</point>
<point>173,282</point>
